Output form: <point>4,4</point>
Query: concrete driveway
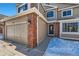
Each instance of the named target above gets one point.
<point>8,49</point>
<point>37,51</point>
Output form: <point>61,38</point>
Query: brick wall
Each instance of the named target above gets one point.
<point>57,29</point>
<point>2,28</point>
<point>32,30</point>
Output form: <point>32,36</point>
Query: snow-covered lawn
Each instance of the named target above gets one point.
<point>1,36</point>
<point>60,47</point>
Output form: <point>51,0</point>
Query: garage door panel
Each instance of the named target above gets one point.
<point>18,32</point>
<point>10,32</point>
<point>23,33</point>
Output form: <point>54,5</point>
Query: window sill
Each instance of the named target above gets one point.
<point>70,33</point>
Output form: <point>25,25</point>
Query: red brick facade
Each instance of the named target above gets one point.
<point>32,30</point>
<point>1,27</point>
<point>57,29</point>
<point>1,31</point>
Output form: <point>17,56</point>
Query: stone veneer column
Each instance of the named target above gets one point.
<point>32,30</point>
<point>57,29</point>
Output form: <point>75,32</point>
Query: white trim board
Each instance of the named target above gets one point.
<point>37,32</point>
<point>50,5</point>
<point>17,23</point>
<point>74,33</point>
<point>50,9</point>
<point>69,38</point>
<point>69,20</point>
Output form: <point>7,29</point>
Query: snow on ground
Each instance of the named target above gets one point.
<point>61,47</point>
<point>1,36</point>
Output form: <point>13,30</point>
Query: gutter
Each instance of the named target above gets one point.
<point>32,10</point>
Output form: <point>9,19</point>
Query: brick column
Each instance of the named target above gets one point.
<point>32,30</point>
<point>57,29</point>
<point>2,28</point>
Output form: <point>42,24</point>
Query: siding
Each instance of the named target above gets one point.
<point>42,30</point>
<point>75,14</point>
<point>42,10</point>
<point>74,36</point>
<point>34,5</point>
<point>62,5</point>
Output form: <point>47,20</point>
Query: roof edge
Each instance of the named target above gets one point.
<point>32,10</point>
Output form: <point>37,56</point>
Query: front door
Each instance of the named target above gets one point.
<point>51,30</point>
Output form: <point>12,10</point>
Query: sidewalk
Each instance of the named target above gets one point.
<point>7,49</point>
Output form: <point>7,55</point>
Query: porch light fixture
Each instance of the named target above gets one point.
<point>29,20</point>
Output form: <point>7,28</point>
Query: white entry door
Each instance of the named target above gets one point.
<point>10,32</point>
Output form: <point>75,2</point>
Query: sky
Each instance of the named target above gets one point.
<point>8,9</point>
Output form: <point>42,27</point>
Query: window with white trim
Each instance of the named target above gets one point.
<point>70,27</point>
<point>50,14</point>
<point>67,13</point>
<point>23,8</point>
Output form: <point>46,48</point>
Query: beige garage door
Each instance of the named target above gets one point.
<point>10,32</point>
<point>18,32</point>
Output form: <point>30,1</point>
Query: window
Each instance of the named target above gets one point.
<point>22,8</point>
<point>50,14</point>
<point>70,27</point>
<point>67,13</point>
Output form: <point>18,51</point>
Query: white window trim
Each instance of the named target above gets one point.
<point>75,33</point>
<point>69,38</point>
<point>68,32</point>
<point>53,13</point>
<point>67,15</point>
<point>28,4</point>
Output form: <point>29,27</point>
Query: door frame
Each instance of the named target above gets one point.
<point>48,30</point>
